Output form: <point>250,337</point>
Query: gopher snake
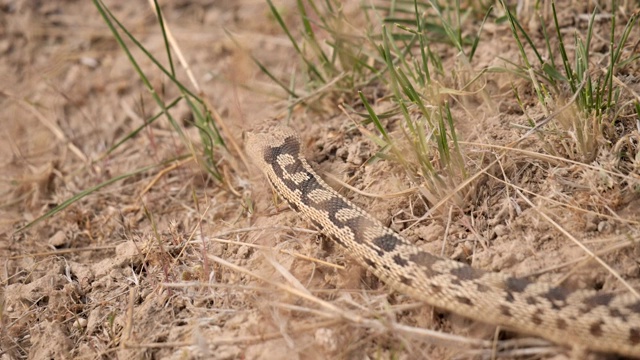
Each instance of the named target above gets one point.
<point>587,319</point>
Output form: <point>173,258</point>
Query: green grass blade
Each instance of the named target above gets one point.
<point>89,191</point>
<point>160,18</point>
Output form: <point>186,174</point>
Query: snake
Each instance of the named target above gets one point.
<point>582,319</point>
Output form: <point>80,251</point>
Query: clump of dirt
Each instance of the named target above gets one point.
<point>171,263</point>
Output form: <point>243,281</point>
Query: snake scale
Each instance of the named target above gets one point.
<point>586,319</point>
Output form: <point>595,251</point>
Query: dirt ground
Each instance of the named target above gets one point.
<point>130,271</point>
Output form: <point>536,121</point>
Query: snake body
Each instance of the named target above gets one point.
<point>587,319</point>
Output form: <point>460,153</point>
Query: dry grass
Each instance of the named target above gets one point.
<point>171,245</point>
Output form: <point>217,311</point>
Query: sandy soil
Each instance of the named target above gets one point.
<point>130,272</point>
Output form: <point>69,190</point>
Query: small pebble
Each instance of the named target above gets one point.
<point>89,62</point>
<point>243,252</point>
<point>603,226</point>
<point>80,323</point>
<point>59,239</point>
<point>501,230</point>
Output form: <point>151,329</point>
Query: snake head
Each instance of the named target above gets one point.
<point>264,143</point>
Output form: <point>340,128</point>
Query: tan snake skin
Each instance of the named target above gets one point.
<point>586,319</point>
